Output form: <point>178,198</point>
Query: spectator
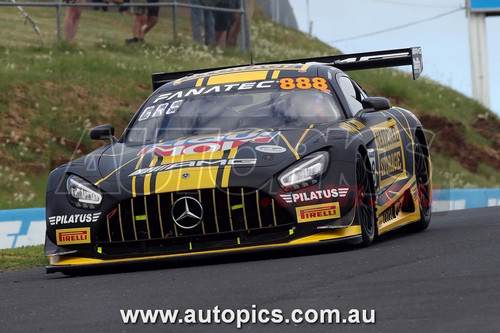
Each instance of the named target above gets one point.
<point>234,30</point>
<point>145,18</point>
<point>223,21</point>
<point>203,20</point>
<point>124,9</point>
<point>71,20</point>
<point>104,8</point>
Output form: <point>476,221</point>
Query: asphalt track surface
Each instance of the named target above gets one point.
<point>445,279</point>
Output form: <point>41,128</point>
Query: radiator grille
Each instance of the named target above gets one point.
<point>225,211</point>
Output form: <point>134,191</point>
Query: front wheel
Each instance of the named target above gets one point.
<point>423,188</point>
<point>365,201</point>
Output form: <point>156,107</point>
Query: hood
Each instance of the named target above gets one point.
<point>238,150</point>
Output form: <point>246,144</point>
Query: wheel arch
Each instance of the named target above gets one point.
<point>420,136</point>
<point>364,155</point>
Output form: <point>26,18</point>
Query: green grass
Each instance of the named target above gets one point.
<point>22,257</point>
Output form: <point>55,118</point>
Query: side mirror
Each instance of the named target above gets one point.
<point>103,132</point>
<point>371,104</point>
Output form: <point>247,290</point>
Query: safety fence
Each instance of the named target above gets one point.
<point>245,42</point>
<point>23,227</point>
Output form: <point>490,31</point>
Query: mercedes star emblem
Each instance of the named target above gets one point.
<point>187,212</point>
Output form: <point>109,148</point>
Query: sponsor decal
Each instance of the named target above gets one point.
<point>318,83</point>
<point>349,127</point>
<point>318,212</point>
<point>328,227</point>
<point>390,163</point>
<point>253,68</point>
<point>178,94</point>
<point>390,158</point>
<point>414,192</point>
<point>373,163</point>
<point>73,236</point>
<point>207,144</point>
<point>194,164</point>
<point>160,110</point>
<point>391,212</point>
<point>270,149</point>
<point>357,124</point>
<point>315,195</point>
<point>75,218</point>
<point>387,138</point>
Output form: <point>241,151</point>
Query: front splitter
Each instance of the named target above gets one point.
<point>69,264</point>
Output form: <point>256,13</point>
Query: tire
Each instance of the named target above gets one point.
<point>365,201</point>
<point>423,188</point>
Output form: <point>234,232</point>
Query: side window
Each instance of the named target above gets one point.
<point>352,93</point>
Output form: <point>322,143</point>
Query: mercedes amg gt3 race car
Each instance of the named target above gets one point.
<point>240,158</point>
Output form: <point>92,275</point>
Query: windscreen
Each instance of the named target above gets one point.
<point>274,104</point>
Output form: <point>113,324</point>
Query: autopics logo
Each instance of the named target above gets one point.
<point>75,218</point>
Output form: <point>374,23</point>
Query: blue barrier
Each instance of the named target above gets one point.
<point>23,227</point>
<point>456,199</point>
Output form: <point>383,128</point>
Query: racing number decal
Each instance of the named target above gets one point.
<point>287,84</point>
<point>303,83</point>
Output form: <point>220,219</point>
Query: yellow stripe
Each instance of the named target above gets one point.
<point>237,77</point>
<point>154,161</point>
<point>304,68</point>
<point>402,126</point>
<point>303,136</point>
<point>227,169</point>
<point>232,152</point>
<point>112,172</point>
<point>322,236</point>
<point>276,74</point>
<point>139,162</point>
<point>225,176</point>
<point>290,146</point>
<point>404,218</point>
<point>134,178</point>
<point>199,82</point>
<point>147,178</point>
<point>147,184</point>
<point>134,193</point>
<point>391,201</point>
<point>199,178</point>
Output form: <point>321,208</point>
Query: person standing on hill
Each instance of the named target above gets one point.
<point>145,18</point>
<point>71,20</point>
<point>203,22</point>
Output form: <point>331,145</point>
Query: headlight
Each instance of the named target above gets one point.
<point>82,194</point>
<point>305,172</point>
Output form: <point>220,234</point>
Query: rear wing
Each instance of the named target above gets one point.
<point>346,62</point>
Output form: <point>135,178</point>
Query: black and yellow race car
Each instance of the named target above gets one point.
<point>241,158</point>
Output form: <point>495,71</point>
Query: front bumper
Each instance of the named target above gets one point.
<point>69,263</point>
